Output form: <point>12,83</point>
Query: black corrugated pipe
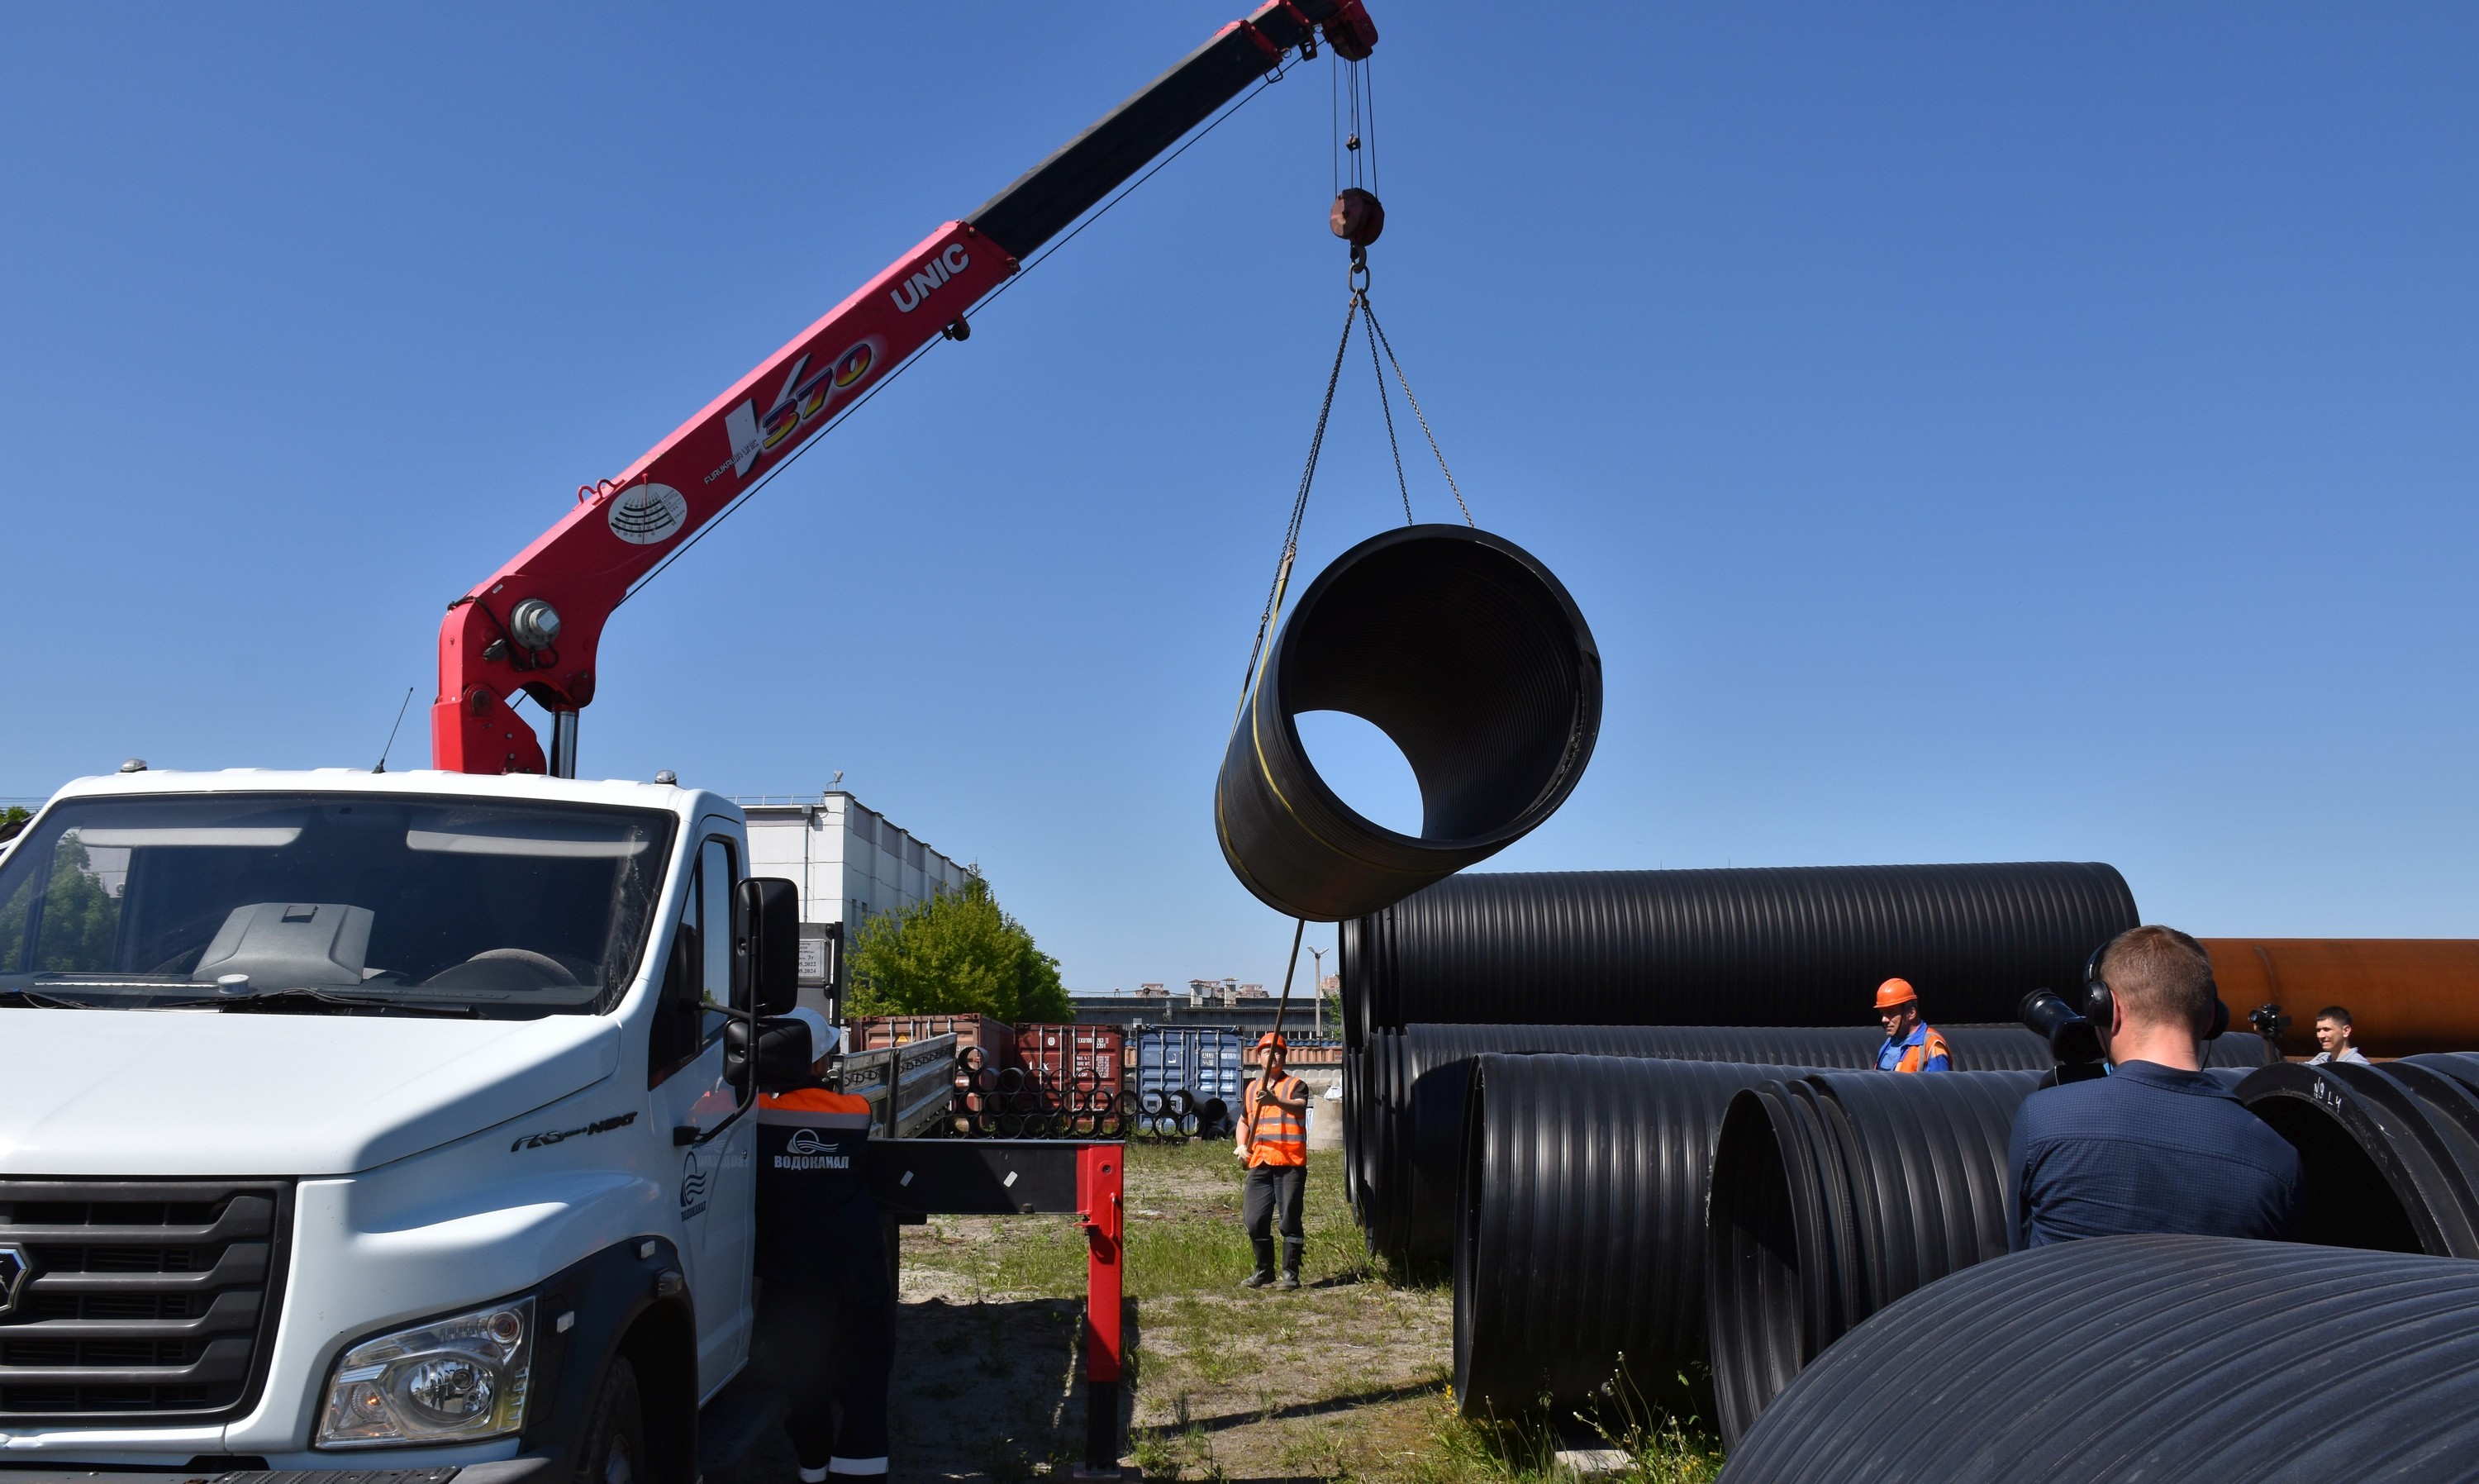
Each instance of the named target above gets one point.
<point>2388,1155</point>
<point>2145,1358</point>
<point>1470,656</point>
<point>1582,1226</point>
<point>1786,946</point>
<point>1412,1215</point>
<point>1834,1195</point>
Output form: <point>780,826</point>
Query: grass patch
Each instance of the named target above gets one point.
<point>1344,1379</point>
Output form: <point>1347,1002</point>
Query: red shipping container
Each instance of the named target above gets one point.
<point>1063,1056</point>
<point>995,1039</point>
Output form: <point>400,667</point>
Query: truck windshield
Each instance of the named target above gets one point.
<point>321,901</point>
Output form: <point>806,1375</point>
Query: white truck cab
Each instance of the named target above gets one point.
<point>358,1122</point>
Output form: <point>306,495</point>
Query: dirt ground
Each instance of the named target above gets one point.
<point>1345,1378</point>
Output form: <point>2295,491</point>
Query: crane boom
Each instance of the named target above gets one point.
<point>534,626</point>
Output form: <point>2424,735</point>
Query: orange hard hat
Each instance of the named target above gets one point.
<point>1893,992</point>
<point>1269,1038</point>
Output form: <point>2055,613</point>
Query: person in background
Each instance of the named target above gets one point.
<point>825,1308</point>
<point>1911,1043</point>
<point>2333,1034</point>
<point>2158,1145</point>
<point>1274,1140</point>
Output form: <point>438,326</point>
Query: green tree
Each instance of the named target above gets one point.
<point>80,918</point>
<point>955,954</point>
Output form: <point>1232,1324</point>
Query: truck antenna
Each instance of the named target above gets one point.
<point>391,732</point>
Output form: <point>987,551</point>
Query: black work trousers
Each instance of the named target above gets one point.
<point>1275,1191</point>
<point>826,1340</point>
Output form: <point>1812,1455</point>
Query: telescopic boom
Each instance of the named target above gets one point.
<point>534,626</point>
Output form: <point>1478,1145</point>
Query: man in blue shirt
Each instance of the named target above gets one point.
<point>1911,1043</point>
<point>2156,1145</point>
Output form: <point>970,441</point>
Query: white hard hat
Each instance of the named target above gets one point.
<point>823,1038</point>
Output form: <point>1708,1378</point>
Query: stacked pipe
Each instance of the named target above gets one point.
<point>1832,1196</point>
<point>2388,1155</point>
<point>1414,1115</point>
<point>1580,1225</point>
<point>1794,946</point>
<point>1017,1102</point>
<point>2145,1357</point>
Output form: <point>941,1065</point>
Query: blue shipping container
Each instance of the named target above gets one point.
<point>1202,1061</point>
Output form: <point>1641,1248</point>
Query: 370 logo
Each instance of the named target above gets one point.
<point>806,397</point>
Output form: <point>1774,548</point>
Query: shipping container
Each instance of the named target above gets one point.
<point>994,1040</point>
<point>1187,1079</point>
<point>1073,1057</point>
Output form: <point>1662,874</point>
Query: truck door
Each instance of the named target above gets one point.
<point>715,1183</point>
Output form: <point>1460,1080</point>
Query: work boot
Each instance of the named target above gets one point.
<point>1263,1276</point>
<point>1291,1265</point>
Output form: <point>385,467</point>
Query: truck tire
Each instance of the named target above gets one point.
<point>613,1449</point>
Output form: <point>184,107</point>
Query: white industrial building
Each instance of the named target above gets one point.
<point>849,861</point>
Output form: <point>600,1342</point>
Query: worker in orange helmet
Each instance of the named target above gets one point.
<point>1911,1043</point>
<point>1274,1140</point>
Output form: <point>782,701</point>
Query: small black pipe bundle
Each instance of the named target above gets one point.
<point>2145,1358</point>
<point>1780,947</point>
<point>1834,1195</point>
<point>2388,1155</point>
<point>1417,1116</point>
<point>1581,1225</point>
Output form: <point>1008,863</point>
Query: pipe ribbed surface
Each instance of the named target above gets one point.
<point>1471,657</point>
<point>1581,1225</point>
<point>2146,1358</point>
<point>2388,1155</point>
<point>1781,946</point>
<point>1833,1195</point>
<point>1418,1142</point>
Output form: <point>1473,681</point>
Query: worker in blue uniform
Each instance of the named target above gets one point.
<point>2156,1145</point>
<point>1911,1043</point>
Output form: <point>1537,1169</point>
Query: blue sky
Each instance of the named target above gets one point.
<point>1973,434</point>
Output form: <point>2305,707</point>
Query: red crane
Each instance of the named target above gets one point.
<point>533,625</point>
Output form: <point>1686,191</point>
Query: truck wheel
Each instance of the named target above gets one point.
<point>614,1450</point>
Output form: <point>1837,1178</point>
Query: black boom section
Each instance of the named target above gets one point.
<point>999,1177</point>
<point>1044,199</point>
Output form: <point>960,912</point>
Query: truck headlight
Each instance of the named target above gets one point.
<point>450,1380</point>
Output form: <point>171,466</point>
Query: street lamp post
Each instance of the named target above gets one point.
<point>1318,954</point>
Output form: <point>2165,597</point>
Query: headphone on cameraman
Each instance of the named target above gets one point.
<point>2100,1003</point>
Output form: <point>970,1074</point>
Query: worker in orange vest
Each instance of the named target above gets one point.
<point>1274,1140</point>
<point>1911,1043</point>
<point>826,1307</point>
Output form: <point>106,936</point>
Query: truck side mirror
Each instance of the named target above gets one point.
<point>783,1059</point>
<point>770,907</point>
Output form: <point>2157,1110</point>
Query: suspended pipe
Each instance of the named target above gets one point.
<point>1778,946</point>
<point>1475,661</point>
<point>1834,1195</point>
<point>1581,1225</point>
<point>2145,1358</point>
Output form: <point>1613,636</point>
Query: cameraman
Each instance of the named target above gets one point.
<point>2156,1145</point>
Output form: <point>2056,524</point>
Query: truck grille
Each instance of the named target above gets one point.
<point>144,1299</point>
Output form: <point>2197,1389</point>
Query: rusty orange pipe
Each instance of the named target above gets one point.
<point>2404,995</point>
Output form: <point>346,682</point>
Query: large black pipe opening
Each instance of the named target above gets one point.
<point>1473,660</point>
